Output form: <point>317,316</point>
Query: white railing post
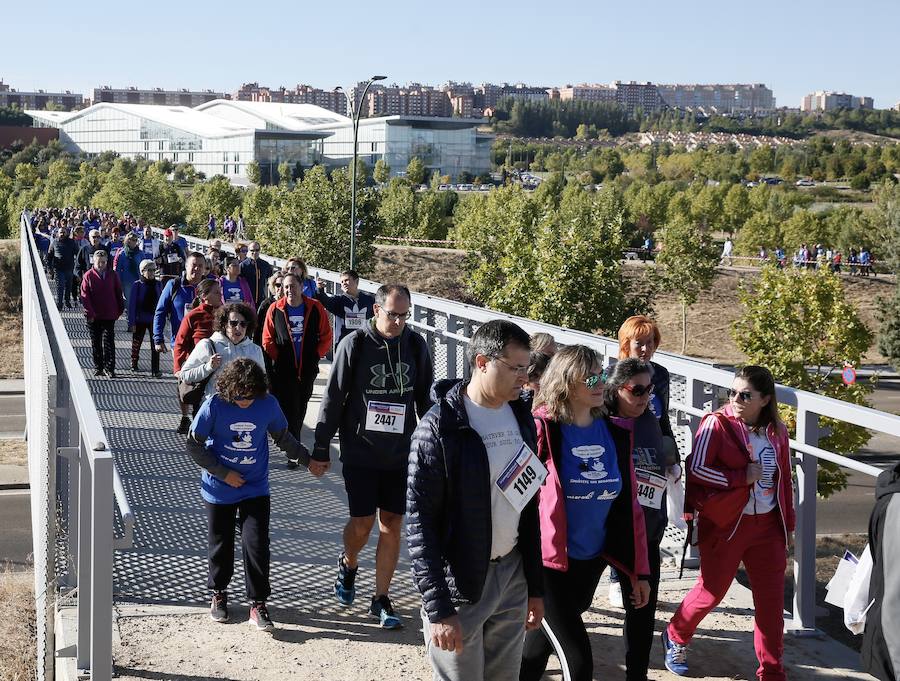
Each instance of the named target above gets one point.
<point>101,567</point>
<point>697,396</point>
<point>804,618</point>
<point>84,568</point>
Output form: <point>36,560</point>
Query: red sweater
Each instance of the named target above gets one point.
<point>196,325</point>
<point>101,295</point>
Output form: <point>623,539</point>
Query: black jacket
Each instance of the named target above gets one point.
<point>338,306</point>
<point>660,380</point>
<point>448,504</point>
<point>62,254</point>
<point>257,273</point>
<point>85,259</point>
<point>367,367</point>
<point>881,641</point>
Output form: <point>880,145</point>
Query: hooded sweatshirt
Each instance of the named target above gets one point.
<point>198,367</point>
<point>370,368</point>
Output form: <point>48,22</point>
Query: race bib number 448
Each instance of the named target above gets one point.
<point>650,488</point>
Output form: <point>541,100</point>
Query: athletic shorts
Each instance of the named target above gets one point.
<point>369,489</point>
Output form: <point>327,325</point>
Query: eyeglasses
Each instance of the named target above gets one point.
<point>396,316</point>
<point>242,250</point>
<point>743,395</point>
<point>253,250</point>
<point>592,380</point>
<point>233,323</point>
<point>520,371</point>
<point>639,390</point>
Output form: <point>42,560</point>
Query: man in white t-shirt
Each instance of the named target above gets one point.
<point>472,527</point>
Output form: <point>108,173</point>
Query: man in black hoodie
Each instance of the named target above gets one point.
<point>378,385</point>
<point>881,640</point>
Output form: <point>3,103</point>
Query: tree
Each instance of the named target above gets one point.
<point>735,208</point>
<point>415,171</point>
<point>285,173</point>
<point>382,172</point>
<point>185,173</point>
<point>803,227</point>
<point>889,331</point>
<point>686,264</point>
<point>397,211</point>
<point>761,230</point>
<point>430,216</point>
<point>217,196</point>
<point>86,187</point>
<point>799,325</point>
<point>58,185</point>
<point>253,172</point>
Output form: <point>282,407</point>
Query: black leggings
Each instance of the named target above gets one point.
<point>293,396</point>
<point>253,517</point>
<point>639,622</point>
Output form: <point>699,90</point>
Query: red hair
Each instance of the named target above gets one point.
<point>634,327</point>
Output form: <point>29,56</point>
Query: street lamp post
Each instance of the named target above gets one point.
<point>355,110</point>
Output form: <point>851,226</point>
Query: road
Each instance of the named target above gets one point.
<point>12,415</point>
<point>15,540</point>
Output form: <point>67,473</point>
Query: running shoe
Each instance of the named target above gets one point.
<point>382,609</point>
<point>615,594</point>
<point>344,587</point>
<point>259,617</point>
<point>184,425</point>
<point>218,611</point>
<point>676,654</point>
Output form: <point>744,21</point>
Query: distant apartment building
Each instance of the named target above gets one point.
<point>462,99</point>
<point>67,101</point>
<point>632,95</point>
<point>333,100</point>
<point>158,96</point>
<point>825,100</point>
<point>487,94</point>
<point>734,98</point>
<point>585,92</point>
<point>413,99</point>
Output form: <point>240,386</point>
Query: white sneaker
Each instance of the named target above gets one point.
<point>615,595</point>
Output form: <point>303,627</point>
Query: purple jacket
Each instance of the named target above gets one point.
<point>101,295</point>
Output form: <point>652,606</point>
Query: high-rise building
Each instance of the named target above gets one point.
<point>632,95</point>
<point>585,92</point>
<point>158,96</point>
<point>735,98</point>
<point>333,100</point>
<point>67,101</point>
<point>826,100</point>
<point>413,99</point>
<point>487,94</point>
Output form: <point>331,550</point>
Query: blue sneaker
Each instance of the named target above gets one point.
<point>382,609</point>
<point>344,587</point>
<point>676,654</point>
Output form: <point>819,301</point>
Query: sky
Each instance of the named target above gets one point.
<point>793,46</point>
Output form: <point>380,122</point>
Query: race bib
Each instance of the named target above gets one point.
<point>650,488</point>
<point>385,417</point>
<point>521,478</point>
<point>354,320</point>
<point>172,258</point>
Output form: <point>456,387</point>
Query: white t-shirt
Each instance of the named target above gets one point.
<point>763,492</point>
<point>502,439</point>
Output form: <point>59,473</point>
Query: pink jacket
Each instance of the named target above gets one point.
<point>626,545</point>
<point>101,295</point>
<point>718,464</point>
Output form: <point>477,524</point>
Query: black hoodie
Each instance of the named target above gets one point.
<point>369,367</point>
<point>881,640</point>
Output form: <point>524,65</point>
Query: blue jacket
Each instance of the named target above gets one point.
<point>142,301</point>
<point>127,264</point>
<point>173,302</point>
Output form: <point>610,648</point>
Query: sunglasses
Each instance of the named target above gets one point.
<point>639,390</point>
<point>743,395</point>
<point>592,380</point>
<point>394,316</point>
<point>234,323</point>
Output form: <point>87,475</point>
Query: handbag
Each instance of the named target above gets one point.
<point>192,393</point>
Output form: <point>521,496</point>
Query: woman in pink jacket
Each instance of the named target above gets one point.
<point>739,486</point>
<point>590,516</point>
<point>103,302</point>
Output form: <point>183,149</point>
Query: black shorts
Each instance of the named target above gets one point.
<point>369,489</point>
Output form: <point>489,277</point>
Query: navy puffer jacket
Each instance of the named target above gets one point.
<point>448,503</point>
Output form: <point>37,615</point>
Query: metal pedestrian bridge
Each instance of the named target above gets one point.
<point>117,517</point>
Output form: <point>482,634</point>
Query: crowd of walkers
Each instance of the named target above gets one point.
<point>858,262</point>
<point>521,484</point>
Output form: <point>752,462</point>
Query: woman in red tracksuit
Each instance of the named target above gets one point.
<point>739,484</point>
<point>589,513</point>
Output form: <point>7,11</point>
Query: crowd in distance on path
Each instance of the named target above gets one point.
<point>520,485</point>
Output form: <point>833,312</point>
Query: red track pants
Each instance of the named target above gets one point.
<point>759,543</point>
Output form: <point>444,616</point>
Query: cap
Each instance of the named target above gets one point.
<point>168,232</point>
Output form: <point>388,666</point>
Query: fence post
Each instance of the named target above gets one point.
<point>84,567</point>
<point>697,396</point>
<point>102,505</point>
<point>804,618</point>
<point>452,346</point>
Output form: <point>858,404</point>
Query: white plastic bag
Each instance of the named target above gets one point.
<point>675,497</point>
<point>856,600</point>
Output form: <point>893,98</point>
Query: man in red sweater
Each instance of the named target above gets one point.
<point>101,296</point>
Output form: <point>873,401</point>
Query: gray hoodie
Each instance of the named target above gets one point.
<point>370,368</point>
<point>197,367</point>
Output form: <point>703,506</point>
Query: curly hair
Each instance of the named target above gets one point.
<point>241,379</point>
<point>238,308</point>
<point>569,366</point>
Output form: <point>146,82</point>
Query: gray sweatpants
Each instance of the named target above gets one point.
<point>493,629</point>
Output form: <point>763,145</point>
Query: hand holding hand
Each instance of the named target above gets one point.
<point>319,468</point>
<point>160,347</point>
<point>234,479</point>
<point>447,634</point>
<point>754,472</point>
<point>535,613</point>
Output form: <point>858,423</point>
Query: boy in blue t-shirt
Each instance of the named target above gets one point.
<point>228,439</point>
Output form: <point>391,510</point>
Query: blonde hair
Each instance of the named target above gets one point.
<point>569,367</point>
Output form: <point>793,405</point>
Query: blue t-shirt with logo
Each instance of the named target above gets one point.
<point>656,406</point>
<point>231,292</point>
<point>590,482</point>
<point>295,324</point>
<point>239,439</point>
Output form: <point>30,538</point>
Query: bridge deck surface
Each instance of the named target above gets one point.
<point>163,631</point>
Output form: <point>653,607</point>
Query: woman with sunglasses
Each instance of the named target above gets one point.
<point>590,516</point>
<point>629,393</point>
<point>273,287</point>
<point>739,484</point>
<point>232,340</point>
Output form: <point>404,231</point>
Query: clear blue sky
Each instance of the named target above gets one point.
<point>794,46</point>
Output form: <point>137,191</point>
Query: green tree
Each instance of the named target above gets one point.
<point>735,208</point>
<point>803,227</point>
<point>253,172</point>
<point>397,210</point>
<point>382,172</point>
<point>58,185</point>
<point>285,173</point>
<point>415,171</point>
<point>430,216</point>
<point>799,325</point>
<point>86,187</point>
<point>761,229</point>
<point>217,196</point>
<point>889,331</point>
<point>686,264</point>
<point>185,173</point>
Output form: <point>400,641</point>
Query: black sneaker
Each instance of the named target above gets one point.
<point>111,373</point>
<point>156,374</point>
<point>218,611</point>
<point>259,617</point>
<point>344,587</point>
<point>382,609</point>
<point>98,373</point>
<point>134,366</point>
<point>291,465</point>
<point>184,425</point>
